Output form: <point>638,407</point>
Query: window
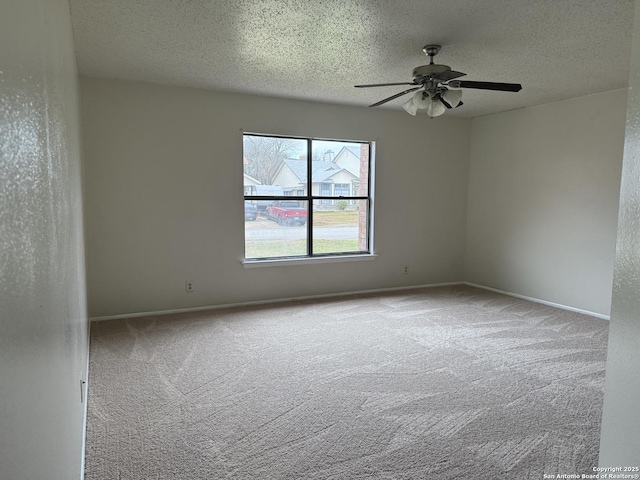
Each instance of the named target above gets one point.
<point>341,190</point>
<point>288,216</point>
<point>325,191</point>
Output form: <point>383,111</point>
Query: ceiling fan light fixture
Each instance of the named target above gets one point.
<point>421,99</point>
<point>410,107</point>
<point>452,97</point>
<point>436,108</point>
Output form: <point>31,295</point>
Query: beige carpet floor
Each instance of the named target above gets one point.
<point>438,383</point>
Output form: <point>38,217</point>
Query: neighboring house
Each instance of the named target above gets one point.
<point>328,179</point>
<point>249,182</point>
<point>349,159</point>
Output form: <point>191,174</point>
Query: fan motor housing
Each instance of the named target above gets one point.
<point>427,71</point>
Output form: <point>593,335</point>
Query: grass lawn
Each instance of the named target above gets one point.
<point>328,219</point>
<point>289,248</point>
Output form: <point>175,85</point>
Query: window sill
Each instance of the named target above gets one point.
<point>289,262</point>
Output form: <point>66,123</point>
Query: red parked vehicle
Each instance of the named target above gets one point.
<point>287,212</point>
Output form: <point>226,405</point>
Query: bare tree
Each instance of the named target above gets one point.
<point>265,154</point>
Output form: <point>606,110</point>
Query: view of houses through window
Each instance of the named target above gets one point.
<point>286,215</point>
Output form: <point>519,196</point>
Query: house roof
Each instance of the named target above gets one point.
<point>320,170</point>
<point>354,150</point>
<point>251,179</point>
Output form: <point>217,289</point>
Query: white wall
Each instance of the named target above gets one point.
<point>43,320</point>
<point>543,199</point>
<point>620,437</point>
<point>164,193</point>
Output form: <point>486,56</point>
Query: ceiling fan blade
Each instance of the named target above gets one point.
<point>388,99</point>
<point>385,84</point>
<point>448,75</point>
<point>503,87</point>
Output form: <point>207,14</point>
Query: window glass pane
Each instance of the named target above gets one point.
<point>280,230</point>
<point>339,163</point>
<point>274,166</point>
<point>342,190</point>
<point>341,227</point>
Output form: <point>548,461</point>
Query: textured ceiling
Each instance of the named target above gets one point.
<point>318,49</point>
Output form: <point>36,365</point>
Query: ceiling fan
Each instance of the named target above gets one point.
<point>433,85</point>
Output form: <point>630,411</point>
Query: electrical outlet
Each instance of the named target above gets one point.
<point>188,286</point>
<point>406,269</point>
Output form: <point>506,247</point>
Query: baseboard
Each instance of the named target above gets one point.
<point>336,295</point>
<point>86,405</point>
<point>537,300</point>
<point>267,302</point>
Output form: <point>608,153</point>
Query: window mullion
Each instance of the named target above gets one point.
<point>309,199</point>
